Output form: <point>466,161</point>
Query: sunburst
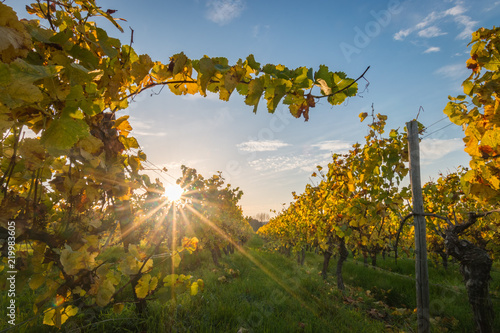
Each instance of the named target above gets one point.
<point>174,192</point>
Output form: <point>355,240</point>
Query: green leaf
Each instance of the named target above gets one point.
<point>24,72</point>
<point>107,44</point>
<point>255,90</point>
<point>207,70</point>
<point>64,132</point>
<point>5,77</point>
<point>105,293</point>
<point>86,57</point>
<point>252,63</point>
<point>325,74</point>
<point>468,86</point>
<point>277,94</point>
<point>179,62</point>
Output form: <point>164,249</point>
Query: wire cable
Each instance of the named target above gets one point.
<point>442,128</point>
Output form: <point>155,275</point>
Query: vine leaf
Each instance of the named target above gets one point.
<point>64,132</point>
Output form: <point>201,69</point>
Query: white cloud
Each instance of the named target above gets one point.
<point>427,27</point>
<point>468,26</point>
<point>224,11</point>
<point>144,128</point>
<point>140,133</point>
<point>457,10</point>
<point>491,7</point>
<point>305,163</point>
<point>334,146</point>
<point>432,17</point>
<point>432,49</point>
<point>430,32</point>
<point>434,149</point>
<point>263,145</point>
<point>456,71</point>
<point>402,34</point>
<point>320,154</point>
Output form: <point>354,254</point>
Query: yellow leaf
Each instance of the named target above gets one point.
<point>123,126</point>
<point>48,317</point>
<point>170,280</point>
<point>145,285</point>
<point>190,244</point>
<point>176,259</point>
<point>118,307</point>
<point>36,281</point>
<point>201,284</point>
<point>71,310</point>
<point>194,288</point>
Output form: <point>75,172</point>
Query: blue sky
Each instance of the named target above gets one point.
<point>416,49</point>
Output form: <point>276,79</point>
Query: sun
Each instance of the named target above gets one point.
<point>173,192</point>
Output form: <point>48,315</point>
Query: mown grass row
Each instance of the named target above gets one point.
<point>259,291</point>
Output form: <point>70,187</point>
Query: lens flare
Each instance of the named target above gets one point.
<point>174,192</point>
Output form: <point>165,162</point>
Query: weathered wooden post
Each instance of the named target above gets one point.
<point>421,271</point>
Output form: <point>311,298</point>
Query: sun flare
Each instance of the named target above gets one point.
<point>173,192</point>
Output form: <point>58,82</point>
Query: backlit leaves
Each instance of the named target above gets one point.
<point>145,285</point>
<point>64,132</point>
<point>14,39</point>
<point>358,194</point>
<point>72,187</point>
<point>481,118</point>
<point>105,293</point>
<point>58,316</point>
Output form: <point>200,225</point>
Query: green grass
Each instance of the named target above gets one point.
<point>272,293</point>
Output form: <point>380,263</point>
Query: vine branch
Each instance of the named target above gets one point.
<point>346,87</point>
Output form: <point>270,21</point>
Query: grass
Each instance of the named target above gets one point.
<point>272,293</point>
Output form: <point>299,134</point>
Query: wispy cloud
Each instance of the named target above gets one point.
<point>432,49</point>
<point>431,32</point>
<point>427,27</point>
<point>334,146</point>
<point>261,145</point>
<point>491,7</point>
<point>468,24</point>
<point>456,10</point>
<point>434,149</point>
<point>224,11</point>
<point>455,71</point>
<point>143,128</point>
<point>402,34</point>
<point>316,154</point>
<point>141,133</point>
<point>305,163</point>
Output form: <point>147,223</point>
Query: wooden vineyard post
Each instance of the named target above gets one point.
<point>421,271</point>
